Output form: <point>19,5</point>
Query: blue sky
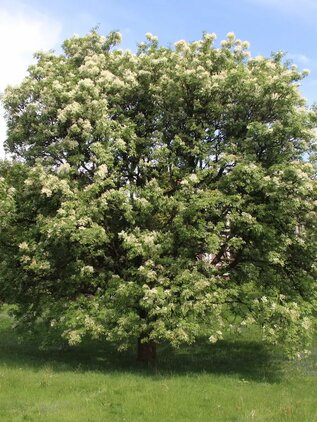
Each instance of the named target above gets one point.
<point>269,25</point>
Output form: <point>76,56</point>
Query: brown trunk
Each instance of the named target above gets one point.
<point>146,351</point>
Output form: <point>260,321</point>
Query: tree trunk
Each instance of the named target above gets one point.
<point>146,351</point>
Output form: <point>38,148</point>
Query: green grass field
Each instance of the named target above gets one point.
<point>230,381</point>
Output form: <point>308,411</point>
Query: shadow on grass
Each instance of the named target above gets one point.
<point>248,360</point>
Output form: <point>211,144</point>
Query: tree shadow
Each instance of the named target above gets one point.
<point>245,359</point>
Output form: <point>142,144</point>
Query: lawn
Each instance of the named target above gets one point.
<point>233,380</point>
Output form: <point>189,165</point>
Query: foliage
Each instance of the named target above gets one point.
<point>161,195</point>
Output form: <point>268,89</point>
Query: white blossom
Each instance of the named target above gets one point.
<point>87,269</point>
<point>24,246</point>
<point>73,337</point>
<point>213,339</point>
<point>102,171</point>
<point>151,37</point>
<point>46,191</point>
<point>64,168</point>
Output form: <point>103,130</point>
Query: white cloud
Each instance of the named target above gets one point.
<point>21,34</point>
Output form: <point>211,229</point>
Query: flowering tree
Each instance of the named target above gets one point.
<point>159,196</point>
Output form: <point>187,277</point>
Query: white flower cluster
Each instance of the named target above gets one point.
<point>71,111</point>
<point>46,191</point>
<point>51,183</point>
<point>152,38</point>
<point>92,326</point>
<point>182,45</point>
<point>91,66</point>
<point>210,37</point>
<point>218,335</point>
<point>73,337</point>
<point>87,270</point>
<point>86,83</point>
<point>102,171</point>
<point>64,168</point>
<point>306,323</point>
<point>24,246</point>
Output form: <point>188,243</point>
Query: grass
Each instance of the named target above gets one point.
<point>238,380</point>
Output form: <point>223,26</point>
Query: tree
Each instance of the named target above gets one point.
<point>161,195</point>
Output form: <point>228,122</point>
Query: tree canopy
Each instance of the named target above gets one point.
<point>161,195</point>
